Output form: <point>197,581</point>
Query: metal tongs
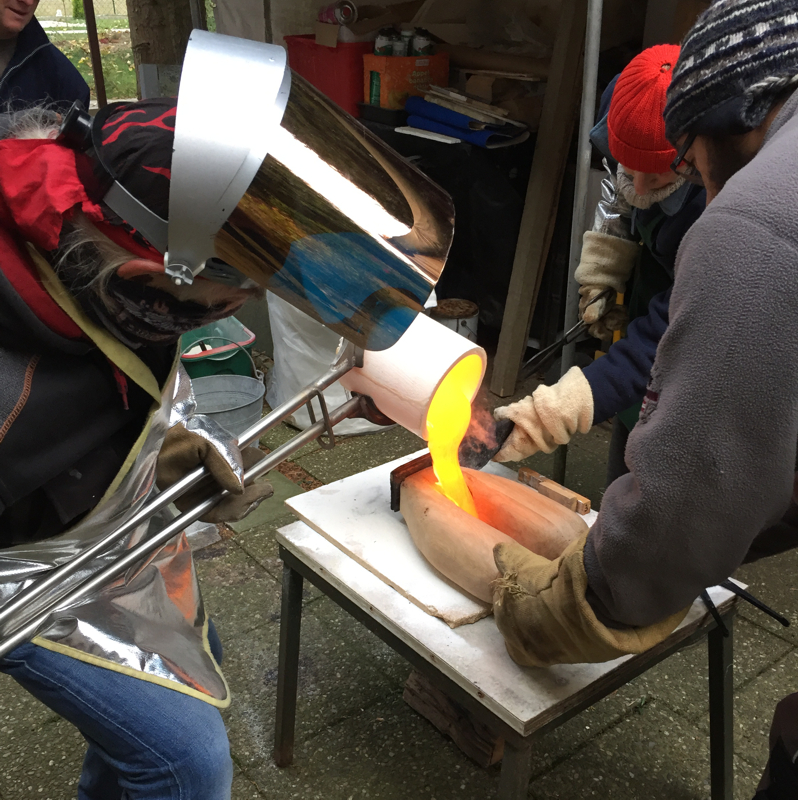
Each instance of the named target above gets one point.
<point>542,360</point>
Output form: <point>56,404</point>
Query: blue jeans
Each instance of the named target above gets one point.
<point>146,742</point>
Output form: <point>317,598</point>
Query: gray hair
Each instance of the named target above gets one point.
<point>36,122</point>
<point>86,255</point>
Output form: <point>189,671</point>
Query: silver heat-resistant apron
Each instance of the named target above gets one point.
<point>149,623</point>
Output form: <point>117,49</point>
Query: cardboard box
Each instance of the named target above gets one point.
<point>370,18</point>
<point>389,80</point>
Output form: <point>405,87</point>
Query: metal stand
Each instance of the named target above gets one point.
<point>516,770</point>
<point>517,760</point>
<point>288,666</point>
<point>721,711</point>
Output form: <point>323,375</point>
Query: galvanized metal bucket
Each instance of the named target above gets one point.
<point>234,401</point>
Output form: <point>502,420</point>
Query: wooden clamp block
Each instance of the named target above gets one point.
<point>549,488</point>
<point>473,737</point>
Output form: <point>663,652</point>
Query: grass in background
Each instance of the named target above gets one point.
<point>117,58</point>
<point>69,36</point>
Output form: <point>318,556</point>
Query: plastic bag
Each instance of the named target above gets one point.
<point>303,351</point>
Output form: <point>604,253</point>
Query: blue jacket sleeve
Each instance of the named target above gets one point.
<point>619,379</point>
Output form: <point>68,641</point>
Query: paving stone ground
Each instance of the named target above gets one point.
<point>356,738</point>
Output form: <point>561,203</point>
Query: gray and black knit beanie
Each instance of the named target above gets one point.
<point>735,61</point>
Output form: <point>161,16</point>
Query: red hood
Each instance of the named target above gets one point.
<point>39,190</point>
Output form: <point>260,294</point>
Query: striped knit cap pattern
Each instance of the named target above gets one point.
<point>736,59</point>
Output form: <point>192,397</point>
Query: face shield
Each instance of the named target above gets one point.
<point>273,183</point>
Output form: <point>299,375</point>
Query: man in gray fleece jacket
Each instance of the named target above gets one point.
<point>713,457</point>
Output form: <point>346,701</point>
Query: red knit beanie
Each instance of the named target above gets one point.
<point>635,123</point>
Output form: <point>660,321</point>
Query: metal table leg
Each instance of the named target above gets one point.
<point>288,666</point>
<point>721,711</point>
<point>516,769</point>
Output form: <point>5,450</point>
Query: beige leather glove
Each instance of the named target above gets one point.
<point>549,417</point>
<point>196,442</point>
<point>606,262</point>
<point>541,610</point>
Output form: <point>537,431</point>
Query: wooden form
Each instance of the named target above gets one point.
<point>471,735</point>
<point>555,491</point>
<point>543,192</point>
<point>460,546</point>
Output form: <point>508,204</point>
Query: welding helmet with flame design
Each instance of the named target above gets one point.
<point>271,183</point>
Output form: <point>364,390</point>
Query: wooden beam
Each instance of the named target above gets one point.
<point>543,194</point>
<point>473,737</point>
<point>94,49</point>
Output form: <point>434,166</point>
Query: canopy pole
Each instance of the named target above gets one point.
<point>586,122</point>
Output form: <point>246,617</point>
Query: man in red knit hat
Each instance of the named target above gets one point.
<point>643,203</point>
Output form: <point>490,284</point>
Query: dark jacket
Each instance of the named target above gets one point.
<point>712,459</point>
<point>65,430</point>
<point>618,380</point>
<point>40,74</point>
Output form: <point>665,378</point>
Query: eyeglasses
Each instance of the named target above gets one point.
<point>684,168</point>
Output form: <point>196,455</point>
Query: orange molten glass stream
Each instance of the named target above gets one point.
<point>447,422</point>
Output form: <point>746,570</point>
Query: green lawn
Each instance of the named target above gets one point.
<point>115,50</point>
<point>117,58</point>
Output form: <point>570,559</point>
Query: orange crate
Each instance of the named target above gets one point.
<point>389,80</point>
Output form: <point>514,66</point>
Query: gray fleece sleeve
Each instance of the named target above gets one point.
<point>712,459</point>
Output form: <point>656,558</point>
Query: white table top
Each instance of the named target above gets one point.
<point>473,656</point>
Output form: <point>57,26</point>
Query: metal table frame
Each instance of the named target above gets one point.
<point>517,761</point>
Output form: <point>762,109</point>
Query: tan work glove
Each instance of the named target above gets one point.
<point>549,417</point>
<point>606,262</point>
<point>541,610</point>
<point>201,441</point>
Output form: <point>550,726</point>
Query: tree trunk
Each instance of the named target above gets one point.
<point>159,31</point>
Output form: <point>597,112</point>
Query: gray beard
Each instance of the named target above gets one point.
<point>626,189</point>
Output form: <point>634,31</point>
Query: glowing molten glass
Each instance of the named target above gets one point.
<point>447,422</point>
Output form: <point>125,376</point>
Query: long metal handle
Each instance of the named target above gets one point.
<point>135,554</point>
<point>57,576</point>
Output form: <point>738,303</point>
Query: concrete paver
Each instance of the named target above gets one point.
<point>385,752</point>
<point>238,593</point>
<point>19,710</point>
<point>585,473</point>
<point>243,788</point>
<point>596,440</point>
<point>754,706</point>
<point>773,581</point>
<point>261,545</point>
<point>681,682</point>
<point>43,761</point>
<point>343,669</point>
<point>358,453</point>
<point>651,754</point>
